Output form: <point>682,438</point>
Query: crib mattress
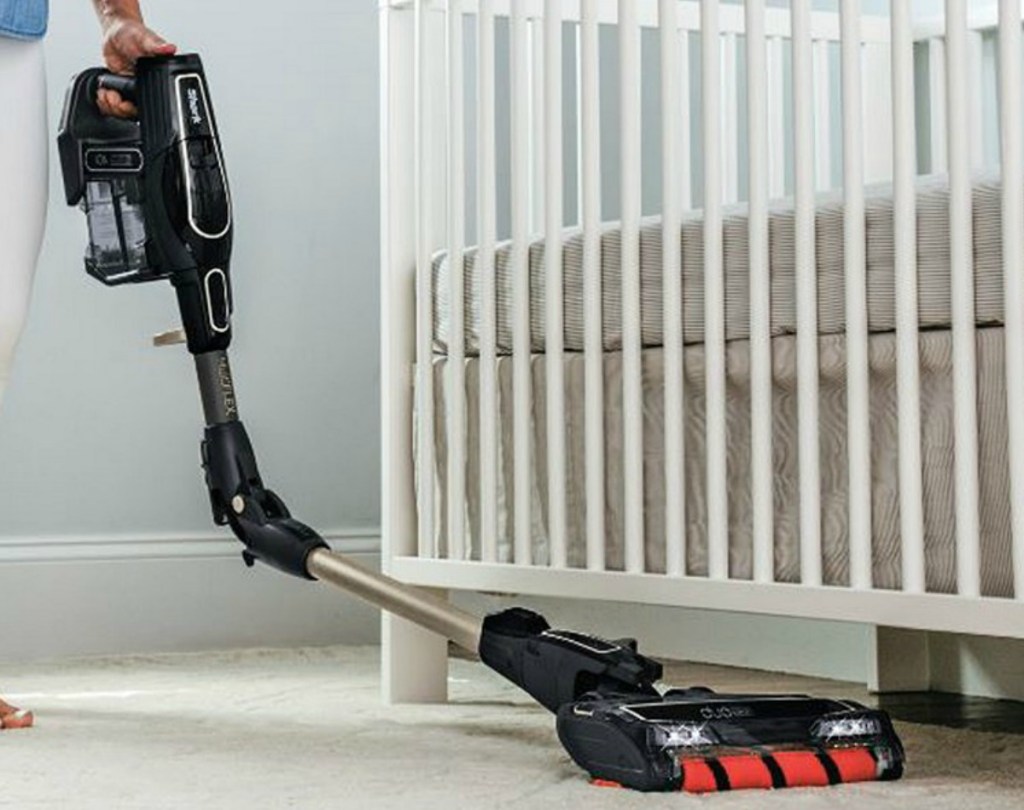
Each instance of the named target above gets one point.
<point>933,273</point>
<point>937,461</point>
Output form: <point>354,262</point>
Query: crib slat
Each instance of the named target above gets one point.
<point>714,297</point>
<point>855,272</point>
<point>761,476</point>
<point>683,138</point>
<point>937,104</point>
<point>535,27</point>
<point>554,359</point>
<point>520,66</point>
<point>822,116</point>
<point>1012,148</point>
<point>730,120</point>
<point>671,249</point>
<point>456,393</point>
<point>487,230</point>
<point>590,172</point>
<point>962,289</point>
<point>777,137</point>
<point>807,299</point>
<point>632,387</point>
<point>908,357</point>
<point>424,287</point>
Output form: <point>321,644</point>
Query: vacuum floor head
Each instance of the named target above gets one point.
<point>698,741</point>
<point>618,726</point>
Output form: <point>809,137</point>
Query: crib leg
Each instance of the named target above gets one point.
<point>414,663</point>
<point>898,660</point>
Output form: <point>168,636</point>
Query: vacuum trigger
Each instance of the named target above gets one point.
<point>123,85</point>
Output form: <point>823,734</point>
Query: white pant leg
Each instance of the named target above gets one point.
<point>24,150</point>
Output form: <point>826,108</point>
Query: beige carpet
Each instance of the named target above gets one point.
<point>305,729</point>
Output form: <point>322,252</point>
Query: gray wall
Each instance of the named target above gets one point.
<point>100,433</point>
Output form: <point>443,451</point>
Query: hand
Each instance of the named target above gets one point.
<point>124,41</point>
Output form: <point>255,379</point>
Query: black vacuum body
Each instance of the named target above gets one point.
<point>156,196</point>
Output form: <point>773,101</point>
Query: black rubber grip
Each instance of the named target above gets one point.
<point>125,85</point>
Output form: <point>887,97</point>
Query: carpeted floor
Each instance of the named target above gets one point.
<point>305,729</point>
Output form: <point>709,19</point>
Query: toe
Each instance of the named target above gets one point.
<point>16,719</point>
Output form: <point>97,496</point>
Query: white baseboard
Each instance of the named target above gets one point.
<point>95,596</point>
<point>156,545</point>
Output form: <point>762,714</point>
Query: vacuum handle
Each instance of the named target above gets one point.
<point>124,85</point>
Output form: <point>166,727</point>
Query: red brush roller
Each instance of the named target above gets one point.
<point>779,770</point>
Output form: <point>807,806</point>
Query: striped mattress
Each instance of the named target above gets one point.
<point>936,396</point>
<point>933,273</point>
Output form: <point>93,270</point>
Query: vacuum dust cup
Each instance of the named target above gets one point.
<point>117,230</point>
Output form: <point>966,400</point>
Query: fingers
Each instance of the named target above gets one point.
<point>111,103</point>
<point>137,41</point>
<point>126,42</point>
<point>129,40</point>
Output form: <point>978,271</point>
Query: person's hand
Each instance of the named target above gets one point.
<point>124,41</point>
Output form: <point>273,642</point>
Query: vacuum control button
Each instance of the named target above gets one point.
<point>201,154</point>
<point>113,160</point>
<point>210,211</point>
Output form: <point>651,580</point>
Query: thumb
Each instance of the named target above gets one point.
<point>155,45</point>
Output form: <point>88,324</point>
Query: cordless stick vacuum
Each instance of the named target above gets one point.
<point>156,197</point>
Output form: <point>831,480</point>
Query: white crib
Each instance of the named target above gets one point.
<point>790,103</point>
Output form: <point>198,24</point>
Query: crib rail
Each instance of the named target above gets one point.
<point>981,68</point>
<point>828,101</point>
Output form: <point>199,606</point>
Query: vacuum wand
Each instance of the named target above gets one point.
<point>416,605</point>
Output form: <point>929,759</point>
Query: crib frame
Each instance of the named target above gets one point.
<point>423,184</point>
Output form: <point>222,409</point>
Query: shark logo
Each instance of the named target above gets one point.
<point>193,106</point>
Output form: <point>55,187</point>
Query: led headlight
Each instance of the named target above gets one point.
<point>682,735</point>
<point>842,728</point>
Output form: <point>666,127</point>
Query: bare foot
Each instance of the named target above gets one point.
<point>12,717</point>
